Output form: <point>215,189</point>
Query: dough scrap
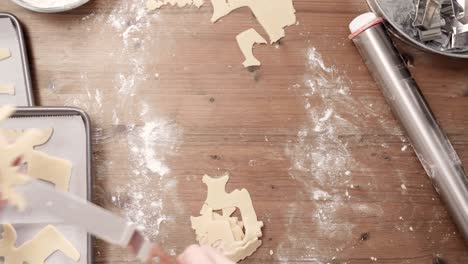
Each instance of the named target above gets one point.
<point>273,15</point>
<point>223,231</point>
<point>156,4</point>
<point>4,54</point>
<point>40,165</point>
<point>37,250</point>
<point>7,89</point>
<point>246,41</point>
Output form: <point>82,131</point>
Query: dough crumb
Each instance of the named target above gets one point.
<point>271,252</point>
<point>404,187</point>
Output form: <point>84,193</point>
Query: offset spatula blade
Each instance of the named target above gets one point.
<point>42,197</point>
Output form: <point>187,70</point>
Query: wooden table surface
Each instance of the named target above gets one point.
<point>308,134</point>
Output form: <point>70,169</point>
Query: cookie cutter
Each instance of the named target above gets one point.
<point>409,20</point>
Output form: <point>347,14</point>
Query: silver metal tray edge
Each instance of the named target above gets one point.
<point>24,57</point>
<point>67,111</point>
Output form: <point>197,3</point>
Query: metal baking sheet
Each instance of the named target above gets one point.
<point>71,141</point>
<point>15,70</point>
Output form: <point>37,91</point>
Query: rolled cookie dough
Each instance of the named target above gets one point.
<point>9,173</point>
<point>37,250</point>
<point>6,111</point>
<point>223,231</point>
<point>246,41</point>
<point>273,15</point>
<point>4,54</point>
<point>7,89</point>
<point>40,165</point>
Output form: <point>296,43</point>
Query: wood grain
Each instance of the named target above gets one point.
<point>248,124</point>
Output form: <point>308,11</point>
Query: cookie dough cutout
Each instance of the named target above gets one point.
<point>37,250</point>
<point>246,41</point>
<point>274,16</point>
<point>7,89</point>
<point>9,153</point>
<point>156,4</point>
<point>223,231</point>
<point>6,111</point>
<point>13,134</point>
<point>4,54</point>
<point>42,166</point>
<point>9,173</point>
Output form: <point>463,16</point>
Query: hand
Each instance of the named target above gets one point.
<point>202,255</point>
<point>4,142</point>
<point>163,258</point>
<point>192,255</point>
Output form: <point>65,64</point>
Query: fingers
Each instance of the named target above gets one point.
<point>202,255</point>
<point>17,161</point>
<point>161,255</point>
<point>4,142</point>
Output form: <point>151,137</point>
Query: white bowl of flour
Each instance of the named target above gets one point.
<point>50,6</point>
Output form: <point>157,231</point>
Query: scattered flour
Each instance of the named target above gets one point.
<point>320,195</point>
<point>130,120</point>
<point>152,139</point>
<point>320,158</point>
<point>151,143</point>
<point>155,4</point>
<point>323,163</point>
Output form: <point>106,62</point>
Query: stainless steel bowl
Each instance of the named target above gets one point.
<point>398,14</point>
<point>55,9</point>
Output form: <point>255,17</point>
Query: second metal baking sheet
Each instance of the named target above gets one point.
<point>14,70</point>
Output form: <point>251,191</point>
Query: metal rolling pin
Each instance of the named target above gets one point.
<point>430,143</point>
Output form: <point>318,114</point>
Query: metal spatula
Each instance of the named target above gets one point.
<point>99,222</point>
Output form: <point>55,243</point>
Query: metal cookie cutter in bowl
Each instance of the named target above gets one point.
<point>437,26</point>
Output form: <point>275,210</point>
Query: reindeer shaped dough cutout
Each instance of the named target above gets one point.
<point>40,165</point>
<point>9,173</point>
<point>37,250</point>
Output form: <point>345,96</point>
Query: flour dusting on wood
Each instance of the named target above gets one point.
<point>320,157</point>
<point>131,120</point>
<point>150,145</point>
